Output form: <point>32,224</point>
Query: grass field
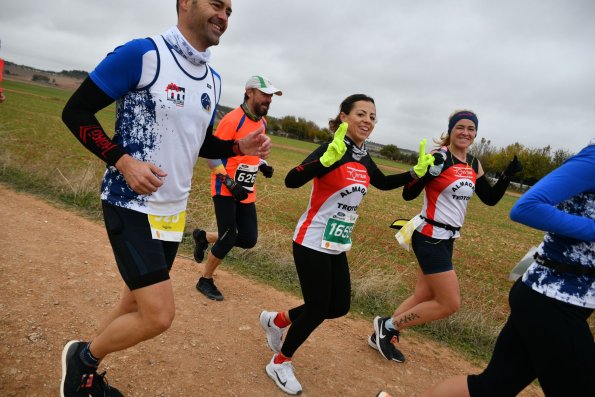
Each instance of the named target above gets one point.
<point>40,155</point>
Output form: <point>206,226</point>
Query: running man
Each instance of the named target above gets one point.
<point>166,95</point>
<point>233,185</point>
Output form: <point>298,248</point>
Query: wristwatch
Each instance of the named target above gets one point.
<point>229,183</point>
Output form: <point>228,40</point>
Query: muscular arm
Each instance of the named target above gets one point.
<point>79,117</point>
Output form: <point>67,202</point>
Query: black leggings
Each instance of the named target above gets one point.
<point>236,223</point>
<point>545,339</point>
<point>326,288</point>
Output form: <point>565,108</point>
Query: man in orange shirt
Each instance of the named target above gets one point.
<point>233,185</point>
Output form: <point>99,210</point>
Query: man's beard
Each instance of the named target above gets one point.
<point>262,111</point>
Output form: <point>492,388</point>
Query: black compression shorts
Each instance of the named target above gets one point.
<point>142,260</point>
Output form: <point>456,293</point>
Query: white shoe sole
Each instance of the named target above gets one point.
<point>65,365</point>
<point>372,344</point>
<point>265,326</point>
<point>273,375</point>
<point>378,333</point>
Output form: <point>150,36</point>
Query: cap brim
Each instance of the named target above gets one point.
<point>271,91</point>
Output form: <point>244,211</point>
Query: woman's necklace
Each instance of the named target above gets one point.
<point>453,162</point>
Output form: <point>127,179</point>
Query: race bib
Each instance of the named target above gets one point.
<point>403,236</point>
<point>168,228</point>
<point>245,176</point>
<point>337,233</point>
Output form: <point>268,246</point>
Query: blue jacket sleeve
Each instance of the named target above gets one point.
<point>536,208</point>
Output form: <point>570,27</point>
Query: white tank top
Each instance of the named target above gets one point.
<point>164,123</point>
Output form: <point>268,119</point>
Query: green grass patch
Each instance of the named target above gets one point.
<point>39,155</point>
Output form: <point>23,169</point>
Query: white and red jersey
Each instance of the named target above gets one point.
<point>335,198</point>
<point>446,197</point>
<point>329,219</point>
<point>337,192</point>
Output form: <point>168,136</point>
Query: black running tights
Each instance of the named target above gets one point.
<point>326,288</point>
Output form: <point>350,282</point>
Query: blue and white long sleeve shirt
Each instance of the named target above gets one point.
<point>563,205</point>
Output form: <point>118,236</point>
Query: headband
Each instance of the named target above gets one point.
<point>462,115</point>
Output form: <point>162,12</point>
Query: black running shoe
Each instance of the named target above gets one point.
<point>200,244</point>
<point>207,287</point>
<point>384,338</point>
<point>395,354</point>
<point>79,380</point>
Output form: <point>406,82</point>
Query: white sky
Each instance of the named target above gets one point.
<point>527,67</point>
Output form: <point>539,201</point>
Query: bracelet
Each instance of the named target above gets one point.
<point>413,174</point>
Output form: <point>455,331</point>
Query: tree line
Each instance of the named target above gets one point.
<point>537,162</point>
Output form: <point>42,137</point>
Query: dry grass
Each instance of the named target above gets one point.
<point>40,155</point>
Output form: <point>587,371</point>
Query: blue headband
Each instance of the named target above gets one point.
<point>463,115</point>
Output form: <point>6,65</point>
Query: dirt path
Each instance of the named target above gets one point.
<point>59,277</point>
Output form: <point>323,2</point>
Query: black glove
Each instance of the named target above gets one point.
<point>266,170</point>
<point>237,191</point>
<point>513,167</point>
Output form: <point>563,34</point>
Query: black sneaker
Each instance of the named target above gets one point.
<point>207,287</point>
<point>395,354</point>
<point>79,380</point>
<point>200,244</point>
<point>384,339</point>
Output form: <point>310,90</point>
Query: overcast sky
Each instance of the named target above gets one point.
<point>526,67</point>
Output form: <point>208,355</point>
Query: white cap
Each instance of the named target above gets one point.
<point>263,84</point>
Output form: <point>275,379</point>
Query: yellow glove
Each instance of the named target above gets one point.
<point>337,148</point>
<point>424,161</point>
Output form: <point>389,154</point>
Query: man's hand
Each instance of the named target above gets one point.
<point>266,170</point>
<point>513,167</point>
<point>237,191</point>
<point>337,148</point>
<point>256,143</point>
<point>142,177</point>
<point>424,160</point>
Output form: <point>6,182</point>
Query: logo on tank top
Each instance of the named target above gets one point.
<point>463,172</point>
<point>205,100</point>
<point>176,94</point>
<point>356,175</point>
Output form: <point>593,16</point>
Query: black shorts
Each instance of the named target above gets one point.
<point>544,339</point>
<point>434,255</point>
<point>141,260</point>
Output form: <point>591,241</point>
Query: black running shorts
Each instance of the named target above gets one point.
<point>142,260</point>
<point>434,255</point>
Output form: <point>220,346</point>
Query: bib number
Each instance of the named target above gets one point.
<point>337,233</point>
<point>245,176</point>
<point>168,228</point>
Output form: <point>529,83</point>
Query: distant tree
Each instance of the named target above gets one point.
<point>482,149</point>
<point>41,78</point>
<point>323,135</point>
<point>391,152</point>
<point>560,156</point>
<point>77,74</point>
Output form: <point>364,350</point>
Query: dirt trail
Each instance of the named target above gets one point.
<point>59,278</point>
